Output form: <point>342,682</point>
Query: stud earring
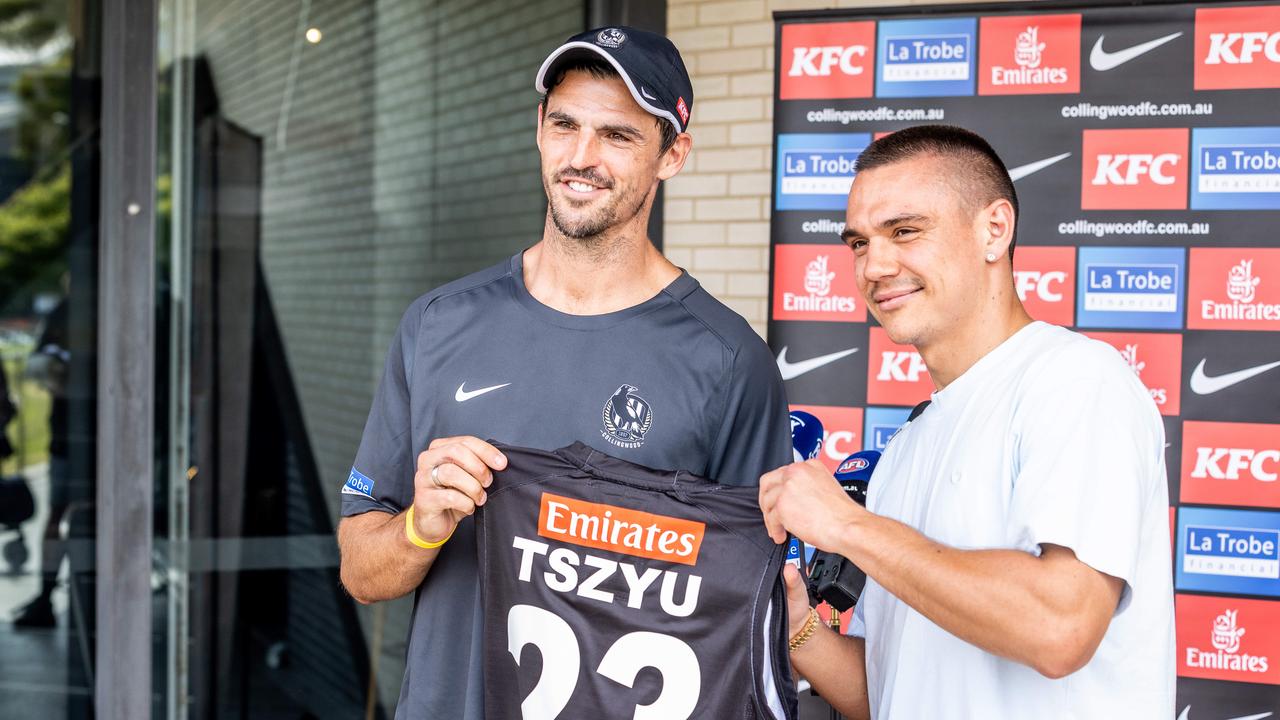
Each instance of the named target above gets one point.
<point>991,257</point>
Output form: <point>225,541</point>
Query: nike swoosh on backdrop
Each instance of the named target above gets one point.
<point>463,395</point>
<point>1202,384</point>
<point>790,370</point>
<point>1187,711</point>
<point>1022,171</point>
<point>1102,60</point>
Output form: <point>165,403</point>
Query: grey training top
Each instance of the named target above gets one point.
<point>678,381</point>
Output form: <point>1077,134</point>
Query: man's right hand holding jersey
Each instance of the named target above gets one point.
<point>379,561</point>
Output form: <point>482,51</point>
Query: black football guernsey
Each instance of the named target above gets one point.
<point>676,381</point>
<point>614,591</point>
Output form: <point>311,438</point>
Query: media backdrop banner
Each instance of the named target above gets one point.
<point>1144,142</point>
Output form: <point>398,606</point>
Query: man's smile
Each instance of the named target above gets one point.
<point>893,298</point>
<point>579,187</point>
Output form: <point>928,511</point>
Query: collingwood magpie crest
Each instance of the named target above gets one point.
<point>627,417</point>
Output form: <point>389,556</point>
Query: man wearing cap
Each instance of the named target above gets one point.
<point>590,335</point>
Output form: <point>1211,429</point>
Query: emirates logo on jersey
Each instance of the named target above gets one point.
<point>627,418</point>
<point>619,529</point>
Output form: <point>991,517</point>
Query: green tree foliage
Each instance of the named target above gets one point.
<point>34,221</point>
<point>32,23</point>
<point>33,233</point>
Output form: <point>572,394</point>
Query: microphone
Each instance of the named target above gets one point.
<point>855,472</point>
<point>833,578</point>
<point>806,443</point>
<point>806,435</point>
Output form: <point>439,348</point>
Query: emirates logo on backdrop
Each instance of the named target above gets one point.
<point>1241,282</point>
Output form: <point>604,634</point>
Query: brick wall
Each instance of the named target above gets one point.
<point>717,209</point>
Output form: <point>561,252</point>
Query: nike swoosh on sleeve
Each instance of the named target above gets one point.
<point>1022,171</point>
<point>790,370</point>
<point>1102,60</point>
<point>1202,384</point>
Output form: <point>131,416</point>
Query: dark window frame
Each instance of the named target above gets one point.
<point>126,361</point>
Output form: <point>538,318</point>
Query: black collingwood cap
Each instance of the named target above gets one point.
<point>648,63</point>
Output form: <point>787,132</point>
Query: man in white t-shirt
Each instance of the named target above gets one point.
<point>1016,536</point>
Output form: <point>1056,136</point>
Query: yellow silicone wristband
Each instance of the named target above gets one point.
<point>413,536</point>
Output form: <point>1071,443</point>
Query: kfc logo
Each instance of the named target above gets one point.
<point>1234,289</point>
<point>896,374</point>
<point>827,60</point>
<point>1237,48</point>
<point>1032,54</point>
<point>1134,170</point>
<point>901,366</point>
<point>1045,280</point>
<point>1156,358</point>
<point>1231,463</point>
<point>1227,638</point>
<point>820,61</point>
<point>1128,169</point>
<point>841,432</point>
<point>815,282</point>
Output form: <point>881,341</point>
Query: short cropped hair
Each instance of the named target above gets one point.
<point>982,173</point>
<point>600,69</point>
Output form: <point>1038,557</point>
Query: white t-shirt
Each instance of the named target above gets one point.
<point>1050,438</point>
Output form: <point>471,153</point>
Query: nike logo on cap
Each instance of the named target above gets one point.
<point>791,371</point>
<point>1202,384</point>
<point>646,94</point>
<point>1102,60</point>
<point>1022,171</point>
<point>462,395</point>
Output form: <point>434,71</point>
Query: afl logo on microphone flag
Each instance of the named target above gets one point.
<point>853,464</point>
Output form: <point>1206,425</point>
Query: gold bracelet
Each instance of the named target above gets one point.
<point>806,632</point>
<point>413,536</point>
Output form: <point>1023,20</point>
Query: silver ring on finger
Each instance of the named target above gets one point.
<point>435,476</point>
